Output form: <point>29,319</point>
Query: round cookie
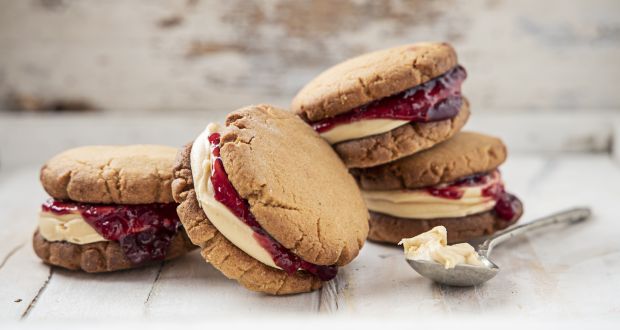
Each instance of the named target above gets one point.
<point>389,229</point>
<point>295,186</point>
<point>465,154</point>
<point>372,76</point>
<point>133,174</point>
<point>400,142</point>
<point>109,184</point>
<point>99,256</point>
<point>462,156</point>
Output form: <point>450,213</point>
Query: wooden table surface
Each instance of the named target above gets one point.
<point>562,272</point>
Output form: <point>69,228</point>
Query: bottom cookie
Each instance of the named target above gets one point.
<point>400,142</point>
<point>100,256</point>
<point>233,262</point>
<point>389,229</point>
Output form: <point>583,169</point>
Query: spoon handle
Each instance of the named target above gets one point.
<point>568,216</point>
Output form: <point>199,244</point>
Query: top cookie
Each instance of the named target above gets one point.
<point>464,154</point>
<point>296,186</point>
<point>372,76</point>
<point>134,174</point>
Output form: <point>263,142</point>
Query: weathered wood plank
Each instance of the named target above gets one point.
<point>189,286</point>
<point>73,295</point>
<point>561,272</point>
<point>209,55</point>
<point>525,133</point>
<point>22,275</point>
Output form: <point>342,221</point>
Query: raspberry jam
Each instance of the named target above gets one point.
<point>144,231</point>
<point>507,206</point>
<point>437,99</point>
<point>226,194</point>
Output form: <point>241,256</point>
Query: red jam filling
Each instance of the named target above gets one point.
<point>144,231</point>
<point>437,99</point>
<point>226,194</point>
<point>507,206</point>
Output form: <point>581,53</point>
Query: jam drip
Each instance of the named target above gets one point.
<point>226,194</point>
<point>144,231</point>
<point>437,99</point>
<point>507,206</point>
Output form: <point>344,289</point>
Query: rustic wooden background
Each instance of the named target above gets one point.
<point>543,75</point>
<point>185,55</point>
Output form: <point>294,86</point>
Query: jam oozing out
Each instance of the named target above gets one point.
<point>507,206</point>
<point>144,231</point>
<point>226,194</point>
<point>437,99</point>
<point>453,190</point>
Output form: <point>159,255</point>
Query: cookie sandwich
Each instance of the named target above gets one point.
<point>269,202</point>
<point>385,105</point>
<point>455,184</point>
<point>111,208</point>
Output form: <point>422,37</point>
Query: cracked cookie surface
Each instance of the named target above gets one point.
<point>98,257</point>
<point>134,174</point>
<point>297,188</point>
<point>372,76</point>
<point>390,229</point>
<point>400,142</point>
<point>464,154</point>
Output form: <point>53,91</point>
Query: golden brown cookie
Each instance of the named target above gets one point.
<point>465,154</point>
<point>112,209</point>
<point>99,256</point>
<point>372,76</point>
<point>400,142</point>
<point>297,189</point>
<point>134,174</point>
<point>389,229</point>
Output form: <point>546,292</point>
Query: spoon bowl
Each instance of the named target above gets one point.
<point>460,275</point>
<point>470,275</point>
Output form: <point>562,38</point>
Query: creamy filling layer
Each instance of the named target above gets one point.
<point>432,246</point>
<point>359,129</point>
<point>237,232</point>
<point>69,227</point>
<point>437,99</point>
<point>443,201</point>
<point>143,231</point>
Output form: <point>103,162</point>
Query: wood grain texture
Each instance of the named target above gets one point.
<point>563,273</point>
<point>216,56</point>
<point>34,139</point>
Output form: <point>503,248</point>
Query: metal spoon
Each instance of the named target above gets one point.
<point>469,275</point>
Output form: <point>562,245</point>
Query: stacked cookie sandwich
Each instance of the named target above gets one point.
<point>455,184</point>
<point>111,209</point>
<point>386,105</point>
<point>393,116</point>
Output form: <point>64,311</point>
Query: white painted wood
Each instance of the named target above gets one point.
<point>562,273</point>
<point>548,132</point>
<point>189,287</point>
<point>21,274</point>
<point>615,144</point>
<point>526,54</point>
<point>28,140</point>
